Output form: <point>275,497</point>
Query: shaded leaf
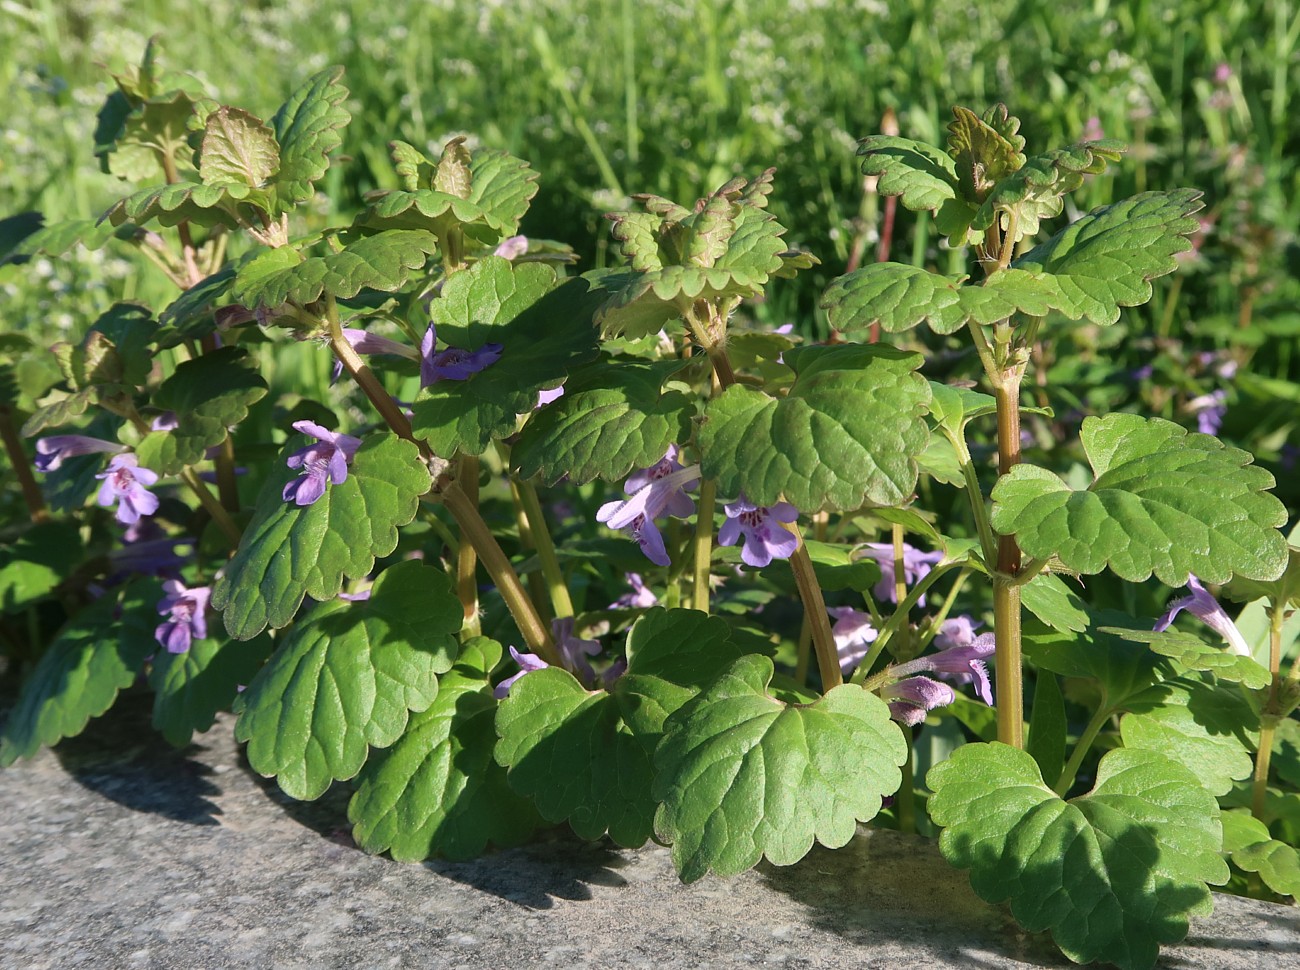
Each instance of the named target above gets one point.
<point>1190,652</point>
<point>191,687</point>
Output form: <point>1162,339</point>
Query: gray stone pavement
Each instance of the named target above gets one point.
<point>117,852</point>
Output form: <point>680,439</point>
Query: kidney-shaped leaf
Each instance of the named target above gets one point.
<point>896,296</point>
<point>1112,874</point>
<point>1163,501</point>
<point>290,551</point>
<point>347,676</point>
<point>742,775</point>
<point>848,433</point>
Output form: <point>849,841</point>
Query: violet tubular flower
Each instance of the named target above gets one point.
<point>185,610</point>
<point>528,662</point>
<point>655,491</point>
<point>964,663</point>
<point>452,363</point>
<point>574,649</point>
<point>51,452</point>
<point>1202,604</point>
<point>912,698</point>
<point>124,483</point>
<point>916,565</point>
<point>762,526</point>
<point>365,342</point>
<point>639,598</point>
<point>853,635</point>
<point>323,462</point>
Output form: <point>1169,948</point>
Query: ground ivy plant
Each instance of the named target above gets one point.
<point>594,549</point>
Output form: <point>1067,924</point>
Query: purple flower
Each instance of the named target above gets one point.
<point>654,491</point>
<point>365,342</point>
<point>958,631</point>
<point>325,461</point>
<point>512,248</point>
<point>1209,410</point>
<point>167,421</point>
<point>613,672</point>
<point>765,536</point>
<point>124,483</point>
<point>1092,130</point>
<point>916,564</point>
<point>853,634</point>
<point>51,451</point>
<point>184,609</point>
<point>573,649</point>
<point>528,662</point>
<point>1206,608</point>
<point>452,364</point>
<point>911,699</point>
<point>640,597</point>
<point>963,663</point>
<point>546,397</point>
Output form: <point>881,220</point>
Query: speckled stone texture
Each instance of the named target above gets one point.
<point>116,852</point>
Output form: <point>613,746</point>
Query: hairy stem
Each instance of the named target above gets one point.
<point>466,557</point>
<point>703,543</point>
<point>213,507</point>
<point>22,466</point>
<point>556,587</point>
<point>814,606</point>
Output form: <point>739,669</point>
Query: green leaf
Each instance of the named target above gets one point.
<point>835,566</point>
<point>437,790</point>
<point>1190,652</point>
<point>742,775</point>
<point>921,175</point>
<point>191,316</point>
<point>383,262</point>
<point>290,551</point>
<point>1162,501</point>
<point>1122,669</point>
<point>1008,292</point>
<point>177,202</point>
<point>614,416</point>
<point>61,238</point>
<point>896,296</point>
<point>544,330</point>
<point>347,676</point>
<point>130,328</point>
<point>1112,874</point>
<point>237,147</point>
<point>1277,863</point>
<point>586,756</point>
<point>1048,726</point>
<point>1034,191</point>
<point>502,186</point>
<point>307,129</point>
<point>1283,590</point>
<point>985,151</point>
<point>1048,598</point>
<point>1200,726</point>
<point>192,687</point>
<point>208,394</point>
<point>1107,259</point>
<point>848,432</point>
<point>98,652</point>
<point>35,561</point>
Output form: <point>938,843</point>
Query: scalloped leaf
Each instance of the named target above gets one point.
<point>192,315</point>
<point>437,791</point>
<point>1034,191</point>
<point>502,186</point>
<point>1048,598</point>
<point>602,743</point>
<point>290,551</point>
<point>1107,259</point>
<point>848,433</point>
<point>170,205</point>
<point>896,296</point>
<point>1190,652</point>
<point>347,677</point>
<point>307,128</point>
<point>237,147</point>
<point>744,776</point>
<point>614,416</point>
<point>191,687</point>
<point>67,409</point>
<point>1277,863</point>
<point>1011,291</point>
<point>1112,874</point>
<point>1163,501</point>
<point>922,176</point>
<point>544,330</point>
<point>983,151</point>
<point>60,238</point>
<point>1207,729</point>
<point>1123,669</point>
<point>35,559</point>
<point>383,262</point>
<point>96,654</point>
<point>208,394</point>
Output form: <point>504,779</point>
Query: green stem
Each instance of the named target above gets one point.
<point>1268,723</point>
<point>936,621</point>
<point>900,616</point>
<point>1081,748</point>
<point>556,587</point>
<point>703,543</point>
<point>814,607</point>
<point>22,466</point>
<point>213,507</point>
<point>466,557</point>
<point>1007,660</point>
<point>978,506</point>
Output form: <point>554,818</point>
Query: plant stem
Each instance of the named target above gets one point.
<point>1268,723</point>
<point>1006,592</point>
<point>1081,747</point>
<point>22,466</point>
<point>556,587</point>
<point>213,507</point>
<point>900,616</point>
<point>978,507</point>
<point>466,558</point>
<point>805,578</point>
<point>703,543</point>
<point>905,798</point>
<point>475,530</point>
<point>364,376</point>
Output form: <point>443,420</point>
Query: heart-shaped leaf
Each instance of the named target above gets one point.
<point>1112,874</point>
<point>895,295</point>
<point>307,129</point>
<point>614,416</point>
<point>437,791</point>
<point>290,551</point>
<point>1163,501</point>
<point>848,432</point>
<point>742,775</point>
<point>347,677</point>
